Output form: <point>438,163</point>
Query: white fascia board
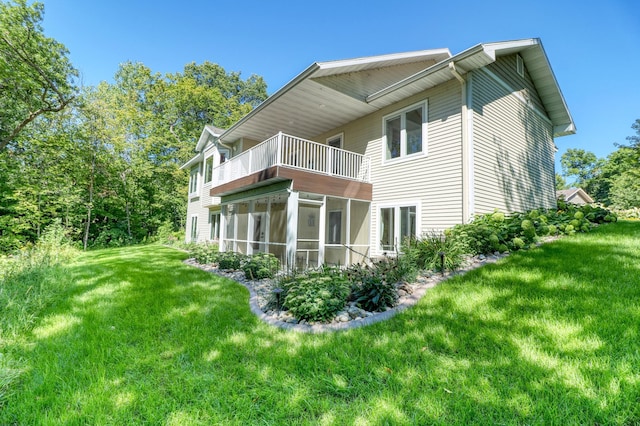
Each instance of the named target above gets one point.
<point>194,160</point>
<point>564,130</point>
<point>345,63</point>
<point>204,136</point>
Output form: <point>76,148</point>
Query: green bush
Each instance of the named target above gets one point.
<point>425,251</point>
<point>229,260</point>
<point>260,265</point>
<point>204,253</point>
<point>372,289</point>
<point>316,295</point>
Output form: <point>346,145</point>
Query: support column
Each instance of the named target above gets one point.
<point>223,227</point>
<point>322,226</point>
<point>292,229</point>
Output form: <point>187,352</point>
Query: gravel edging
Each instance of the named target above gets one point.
<point>419,288</point>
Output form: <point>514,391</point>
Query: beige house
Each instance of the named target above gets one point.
<point>574,195</point>
<point>352,156</point>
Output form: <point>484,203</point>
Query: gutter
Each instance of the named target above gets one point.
<point>467,145</point>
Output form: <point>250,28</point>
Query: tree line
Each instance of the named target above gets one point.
<point>613,181</point>
<point>103,160</point>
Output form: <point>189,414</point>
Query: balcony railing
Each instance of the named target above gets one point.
<point>289,151</point>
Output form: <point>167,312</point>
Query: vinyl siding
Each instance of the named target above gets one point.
<point>513,148</point>
<point>433,181</point>
<point>505,68</point>
<point>202,202</point>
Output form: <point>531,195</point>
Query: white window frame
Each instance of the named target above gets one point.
<point>336,137</point>
<point>519,65</point>
<point>193,179</point>
<point>403,133</point>
<point>214,226</point>
<point>208,174</point>
<point>194,228</point>
<point>396,206</point>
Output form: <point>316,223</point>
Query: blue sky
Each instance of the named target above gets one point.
<point>593,47</point>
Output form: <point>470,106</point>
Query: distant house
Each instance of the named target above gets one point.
<point>352,156</point>
<point>574,195</point>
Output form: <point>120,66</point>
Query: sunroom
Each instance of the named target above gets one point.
<point>301,229</point>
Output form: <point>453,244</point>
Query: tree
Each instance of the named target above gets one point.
<point>561,183</point>
<point>36,76</point>
<point>579,163</point>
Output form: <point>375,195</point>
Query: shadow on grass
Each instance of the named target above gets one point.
<point>548,336</point>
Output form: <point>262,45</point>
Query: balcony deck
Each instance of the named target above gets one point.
<point>312,167</point>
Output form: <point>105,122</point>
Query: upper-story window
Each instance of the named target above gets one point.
<point>208,169</point>
<point>405,132</point>
<point>193,179</point>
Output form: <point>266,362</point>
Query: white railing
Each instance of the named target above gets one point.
<point>285,150</point>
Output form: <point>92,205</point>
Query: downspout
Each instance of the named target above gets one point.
<point>467,176</point>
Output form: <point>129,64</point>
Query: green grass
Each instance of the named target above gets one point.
<point>550,336</point>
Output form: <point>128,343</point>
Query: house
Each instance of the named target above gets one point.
<point>574,195</point>
<point>352,156</point>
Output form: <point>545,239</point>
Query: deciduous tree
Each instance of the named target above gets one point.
<point>36,76</point>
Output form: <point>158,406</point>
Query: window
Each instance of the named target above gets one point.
<point>194,228</point>
<point>397,224</point>
<point>214,226</point>
<point>520,65</point>
<point>335,228</point>
<point>224,154</point>
<point>208,169</point>
<point>193,179</point>
<point>405,132</point>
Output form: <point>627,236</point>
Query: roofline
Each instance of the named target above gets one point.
<point>388,57</point>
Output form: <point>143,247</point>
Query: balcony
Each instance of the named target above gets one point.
<point>312,166</point>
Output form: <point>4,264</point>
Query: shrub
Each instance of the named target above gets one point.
<point>204,253</point>
<point>260,265</point>
<point>230,260</point>
<point>425,251</point>
<point>317,295</point>
<point>518,243</point>
<point>371,287</point>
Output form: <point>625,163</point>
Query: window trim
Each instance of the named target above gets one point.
<point>396,206</point>
<point>193,182</point>
<point>208,174</point>
<point>214,226</point>
<point>334,137</point>
<point>194,228</point>
<point>401,113</point>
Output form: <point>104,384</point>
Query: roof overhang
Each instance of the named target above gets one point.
<point>207,132</point>
<point>329,94</point>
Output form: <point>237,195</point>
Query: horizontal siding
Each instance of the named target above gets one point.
<point>505,68</point>
<point>435,181</point>
<point>513,151</point>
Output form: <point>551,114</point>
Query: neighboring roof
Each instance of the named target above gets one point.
<point>572,193</point>
<point>329,94</point>
<point>202,143</point>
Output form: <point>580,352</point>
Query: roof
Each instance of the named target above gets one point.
<point>571,193</point>
<point>329,94</point>
<point>207,132</point>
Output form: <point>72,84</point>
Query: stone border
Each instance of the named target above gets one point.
<point>420,287</point>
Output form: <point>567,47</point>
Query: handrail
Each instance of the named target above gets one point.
<point>286,150</point>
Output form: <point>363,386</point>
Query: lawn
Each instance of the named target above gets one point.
<point>548,336</point>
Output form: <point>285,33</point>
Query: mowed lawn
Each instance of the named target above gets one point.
<point>548,336</point>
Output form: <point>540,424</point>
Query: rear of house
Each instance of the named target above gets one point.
<point>353,156</point>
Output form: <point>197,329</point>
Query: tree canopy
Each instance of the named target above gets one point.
<point>106,159</point>
<point>36,76</point>
<point>615,180</point>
